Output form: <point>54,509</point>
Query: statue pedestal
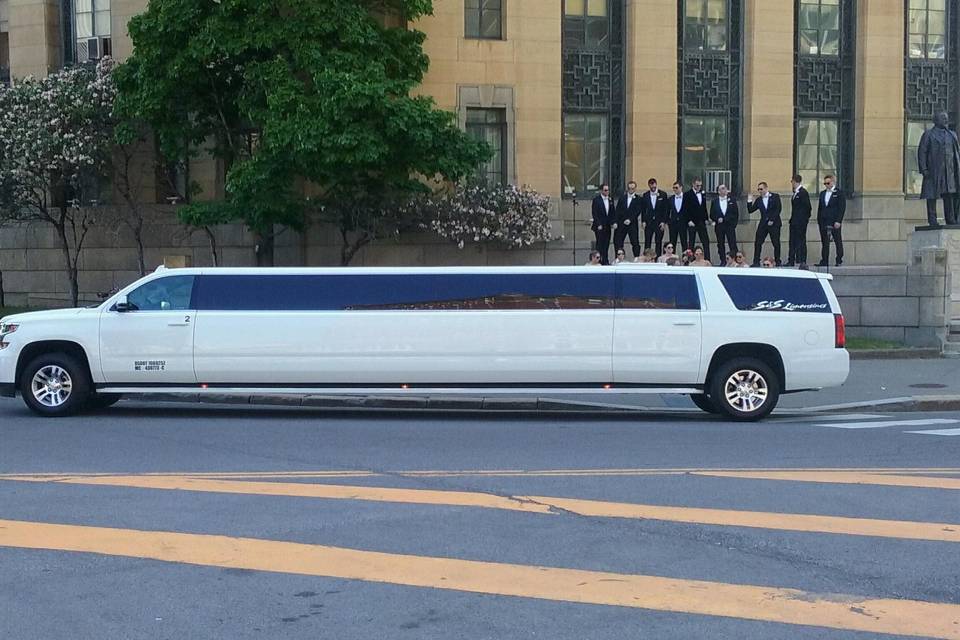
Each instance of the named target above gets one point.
<point>929,248</point>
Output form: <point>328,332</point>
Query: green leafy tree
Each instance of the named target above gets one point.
<point>296,97</point>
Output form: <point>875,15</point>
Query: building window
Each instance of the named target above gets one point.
<point>484,19</point>
<point>824,91</point>
<point>593,17</point>
<point>91,19</point>
<point>819,27</point>
<point>585,155</point>
<point>705,147</point>
<point>913,179</point>
<point>490,126</point>
<point>818,151</point>
<point>705,25</point>
<point>710,90</point>
<point>927,29</point>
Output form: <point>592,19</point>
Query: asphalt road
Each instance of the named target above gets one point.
<point>172,521</point>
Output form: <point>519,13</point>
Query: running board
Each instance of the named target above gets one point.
<point>395,391</point>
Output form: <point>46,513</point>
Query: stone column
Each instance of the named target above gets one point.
<point>768,79</point>
<point>34,37</point>
<point>651,61</point>
<point>879,131</point>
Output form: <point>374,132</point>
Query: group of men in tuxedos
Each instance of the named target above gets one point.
<point>683,216</point>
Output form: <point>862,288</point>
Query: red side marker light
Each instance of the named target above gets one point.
<point>840,331</point>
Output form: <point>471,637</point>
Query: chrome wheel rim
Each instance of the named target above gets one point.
<point>746,391</point>
<point>51,386</point>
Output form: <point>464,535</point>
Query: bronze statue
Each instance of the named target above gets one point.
<point>939,158</point>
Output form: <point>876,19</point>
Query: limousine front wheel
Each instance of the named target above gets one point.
<point>55,384</point>
<point>745,389</point>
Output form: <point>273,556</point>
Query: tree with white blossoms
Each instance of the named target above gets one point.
<point>56,135</point>
<point>510,216</point>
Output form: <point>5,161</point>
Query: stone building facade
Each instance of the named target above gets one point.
<point>573,93</point>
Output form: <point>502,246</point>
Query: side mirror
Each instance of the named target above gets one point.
<point>122,305</point>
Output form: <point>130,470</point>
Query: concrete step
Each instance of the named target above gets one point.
<point>951,349</point>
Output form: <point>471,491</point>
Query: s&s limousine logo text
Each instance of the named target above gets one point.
<point>783,305</point>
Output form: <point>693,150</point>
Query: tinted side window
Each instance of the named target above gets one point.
<point>754,293</point>
<point>164,294</point>
<point>658,291</point>
<point>414,292</point>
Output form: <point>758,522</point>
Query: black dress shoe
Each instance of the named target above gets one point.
<point>839,263</point>
<point>790,264</point>
<point>822,264</point>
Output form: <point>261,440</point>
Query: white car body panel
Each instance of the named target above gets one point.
<point>537,351</point>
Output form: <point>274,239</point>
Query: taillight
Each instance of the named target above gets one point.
<point>840,331</point>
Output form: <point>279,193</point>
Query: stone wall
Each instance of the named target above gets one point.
<point>907,304</point>
<point>33,265</point>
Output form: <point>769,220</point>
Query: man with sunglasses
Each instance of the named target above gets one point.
<point>770,207</point>
<point>830,213</point>
<point>655,216</point>
<point>604,214</point>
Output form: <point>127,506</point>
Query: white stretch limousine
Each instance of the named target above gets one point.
<point>732,339</point>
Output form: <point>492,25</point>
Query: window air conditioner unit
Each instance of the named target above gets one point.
<point>717,178</point>
<point>92,49</point>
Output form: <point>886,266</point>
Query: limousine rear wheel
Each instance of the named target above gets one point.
<point>55,384</point>
<point>745,389</point>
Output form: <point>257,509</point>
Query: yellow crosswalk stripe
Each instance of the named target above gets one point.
<point>902,529</point>
<point>750,602</point>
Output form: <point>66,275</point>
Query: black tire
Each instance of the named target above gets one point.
<point>99,401</point>
<point>704,402</point>
<point>68,390</point>
<point>753,398</point>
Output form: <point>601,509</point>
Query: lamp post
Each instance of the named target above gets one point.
<point>575,223</point>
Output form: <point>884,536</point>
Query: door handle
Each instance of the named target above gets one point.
<point>684,324</point>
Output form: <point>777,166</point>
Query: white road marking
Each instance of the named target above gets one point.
<point>889,423</point>
<point>939,432</point>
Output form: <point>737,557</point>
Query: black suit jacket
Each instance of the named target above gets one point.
<point>655,214</point>
<point>600,216</point>
<point>633,212</point>
<point>674,217</point>
<point>770,213</point>
<point>800,207</point>
<point>693,210</point>
<point>733,212</point>
<point>828,214</point>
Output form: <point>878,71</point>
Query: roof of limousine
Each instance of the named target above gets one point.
<point>623,268</point>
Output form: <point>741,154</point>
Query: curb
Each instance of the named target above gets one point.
<point>894,405</point>
<point>896,354</point>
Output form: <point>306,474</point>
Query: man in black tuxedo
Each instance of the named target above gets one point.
<point>695,217</point>
<point>725,214</point>
<point>830,210</point>
<point>770,208</point>
<point>655,216</point>
<point>628,219</point>
<point>604,221</point>
<point>678,228</point>
<point>800,209</point>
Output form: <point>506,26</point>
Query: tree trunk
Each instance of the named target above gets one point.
<point>349,248</point>
<point>68,264</point>
<point>264,249</point>
<point>212,239</point>
<point>141,264</point>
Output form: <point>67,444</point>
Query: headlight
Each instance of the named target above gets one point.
<point>6,329</point>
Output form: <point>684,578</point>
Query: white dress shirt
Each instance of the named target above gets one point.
<point>678,202</point>
<point>723,206</point>
<point>827,194</point>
